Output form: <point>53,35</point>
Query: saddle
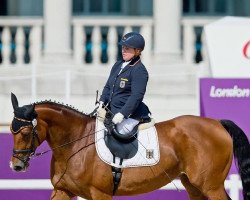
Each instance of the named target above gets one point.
<point>121,151</point>
<point>120,145</point>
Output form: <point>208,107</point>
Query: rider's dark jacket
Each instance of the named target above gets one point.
<point>124,91</point>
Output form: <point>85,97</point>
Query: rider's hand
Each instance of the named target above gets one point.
<point>100,106</point>
<point>118,118</point>
<point>101,112</point>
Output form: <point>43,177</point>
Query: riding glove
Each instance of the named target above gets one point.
<point>101,112</point>
<point>118,118</point>
<point>100,105</point>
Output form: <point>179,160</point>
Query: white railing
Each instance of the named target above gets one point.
<point>35,39</point>
<point>233,185</point>
<point>189,24</point>
<point>79,39</point>
<point>189,36</point>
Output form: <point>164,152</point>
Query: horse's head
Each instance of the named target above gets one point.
<point>23,128</point>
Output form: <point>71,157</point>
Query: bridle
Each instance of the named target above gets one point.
<point>31,150</point>
<point>23,123</point>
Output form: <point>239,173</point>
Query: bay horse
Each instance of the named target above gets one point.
<point>197,150</point>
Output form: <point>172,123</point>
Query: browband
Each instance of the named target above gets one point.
<point>18,124</point>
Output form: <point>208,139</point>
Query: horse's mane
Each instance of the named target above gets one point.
<point>59,104</point>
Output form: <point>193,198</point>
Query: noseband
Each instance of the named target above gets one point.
<point>21,124</point>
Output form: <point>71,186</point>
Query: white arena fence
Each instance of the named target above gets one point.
<point>78,88</point>
<point>233,185</point>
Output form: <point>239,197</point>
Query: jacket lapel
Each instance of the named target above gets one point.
<point>125,68</point>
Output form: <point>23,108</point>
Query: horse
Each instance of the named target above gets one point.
<point>197,150</point>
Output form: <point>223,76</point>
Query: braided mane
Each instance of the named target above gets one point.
<point>67,106</point>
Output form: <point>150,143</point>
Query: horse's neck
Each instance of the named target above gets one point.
<point>60,127</point>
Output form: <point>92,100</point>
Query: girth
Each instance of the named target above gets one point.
<point>121,146</point>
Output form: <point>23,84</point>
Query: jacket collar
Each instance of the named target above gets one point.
<point>133,62</point>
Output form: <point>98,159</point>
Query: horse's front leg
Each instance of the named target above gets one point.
<point>60,195</point>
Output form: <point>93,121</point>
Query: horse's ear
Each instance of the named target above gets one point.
<point>28,113</point>
<point>14,101</point>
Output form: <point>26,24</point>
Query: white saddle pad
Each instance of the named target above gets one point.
<point>148,148</point>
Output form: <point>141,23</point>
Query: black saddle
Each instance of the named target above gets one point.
<point>122,146</point>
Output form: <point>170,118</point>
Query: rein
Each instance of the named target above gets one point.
<point>71,142</point>
<point>67,143</point>
<point>31,151</point>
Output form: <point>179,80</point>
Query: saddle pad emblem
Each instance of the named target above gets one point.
<point>150,153</point>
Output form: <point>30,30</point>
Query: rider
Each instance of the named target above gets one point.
<point>126,86</point>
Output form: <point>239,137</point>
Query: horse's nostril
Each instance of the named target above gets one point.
<point>18,168</point>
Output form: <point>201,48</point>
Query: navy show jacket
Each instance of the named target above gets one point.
<point>124,92</point>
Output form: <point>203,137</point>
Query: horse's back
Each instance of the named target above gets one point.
<point>193,127</point>
<point>197,142</point>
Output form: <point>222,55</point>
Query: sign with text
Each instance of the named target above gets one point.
<point>228,44</point>
<point>226,99</point>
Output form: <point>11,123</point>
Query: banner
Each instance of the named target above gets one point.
<point>226,99</point>
<point>228,45</point>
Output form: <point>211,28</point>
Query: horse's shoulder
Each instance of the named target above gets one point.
<point>90,122</point>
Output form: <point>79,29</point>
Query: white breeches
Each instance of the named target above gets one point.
<point>127,125</point>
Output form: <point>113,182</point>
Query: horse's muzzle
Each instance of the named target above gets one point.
<point>19,165</point>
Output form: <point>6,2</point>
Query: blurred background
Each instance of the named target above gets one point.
<point>63,50</point>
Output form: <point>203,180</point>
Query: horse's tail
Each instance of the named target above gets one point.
<point>241,149</point>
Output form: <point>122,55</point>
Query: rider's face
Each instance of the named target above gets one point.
<point>128,53</point>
